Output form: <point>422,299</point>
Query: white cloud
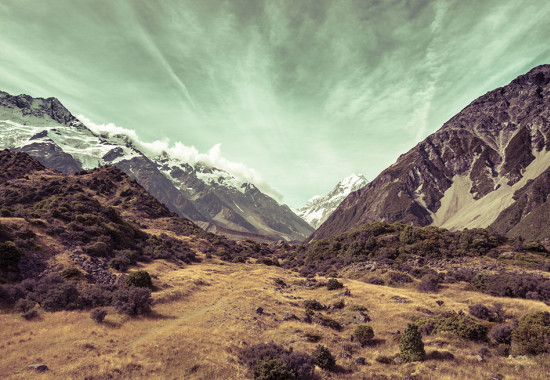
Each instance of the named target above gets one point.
<point>189,154</point>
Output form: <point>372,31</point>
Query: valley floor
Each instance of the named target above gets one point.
<point>205,315</point>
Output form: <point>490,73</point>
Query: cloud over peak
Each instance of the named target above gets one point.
<point>188,154</point>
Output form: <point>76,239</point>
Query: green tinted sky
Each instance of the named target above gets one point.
<point>305,92</point>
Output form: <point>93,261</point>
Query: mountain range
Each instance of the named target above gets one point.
<point>213,198</point>
<point>488,166</point>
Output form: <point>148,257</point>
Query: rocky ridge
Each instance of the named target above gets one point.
<point>212,198</point>
<point>469,173</point>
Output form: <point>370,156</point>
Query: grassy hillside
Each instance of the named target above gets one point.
<point>205,316</point>
<point>98,280</point>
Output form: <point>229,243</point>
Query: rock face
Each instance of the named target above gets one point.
<point>478,169</point>
<point>318,208</point>
<point>213,198</point>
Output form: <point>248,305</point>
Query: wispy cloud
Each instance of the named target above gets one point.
<point>305,92</point>
<point>189,154</point>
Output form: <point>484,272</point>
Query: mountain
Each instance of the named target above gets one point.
<point>214,199</point>
<point>486,166</point>
<point>319,208</point>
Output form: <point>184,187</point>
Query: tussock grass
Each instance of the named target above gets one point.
<point>205,314</point>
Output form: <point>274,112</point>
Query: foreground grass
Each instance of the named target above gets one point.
<point>205,314</point>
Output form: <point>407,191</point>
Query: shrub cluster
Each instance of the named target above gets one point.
<point>333,284</point>
<point>487,313</point>
<point>363,334</point>
<point>411,347</point>
<point>54,293</point>
<point>516,285</point>
<point>270,361</point>
<point>324,358</point>
<point>428,283</point>
<point>382,242</point>
<point>532,335</point>
<point>139,278</point>
<point>456,323</point>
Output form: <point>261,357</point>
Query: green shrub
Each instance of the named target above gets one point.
<point>272,369</point>
<point>458,324</point>
<point>9,254</point>
<point>363,334</point>
<point>356,307</point>
<point>98,248</point>
<point>313,305</point>
<point>139,278</point>
<point>98,315</point>
<point>333,284</point>
<point>411,346</point>
<point>328,322</point>
<point>384,359</point>
<point>532,335</point>
<point>132,300</point>
<point>323,358</point>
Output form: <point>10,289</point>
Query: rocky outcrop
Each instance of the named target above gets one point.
<point>21,107</point>
<point>466,173</point>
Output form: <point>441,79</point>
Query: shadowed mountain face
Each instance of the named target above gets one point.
<point>213,198</point>
<point>470,173</point>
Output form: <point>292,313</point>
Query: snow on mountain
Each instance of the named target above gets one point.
<point>319,208</point>
<point>216,199</point>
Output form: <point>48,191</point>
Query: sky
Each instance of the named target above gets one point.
<point>293,94</point>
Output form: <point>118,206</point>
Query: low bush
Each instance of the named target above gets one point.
<point>98,248</point>
<point>132,300</point>
<point>10,254</point>
<point>31,314</point>
<point>328,322</point>
<point>428,283</point>
<point>363,334</point>
<point>313,305</point>
<point>384,359</point>
<point>333,284</point>
<point>269,359</point>
<point>411,347</point>
<point>491,314</point>
<point>532,335</point>
<point>139,278</point>
<point>272,369</point>
<point>517,285</point>
<point>397,278</point>
<point>98,315</point>
<point>375,281</point>
<point>323,358</point>
<point>501,334</point>
<point>23,305</point>
<point>456,323</point>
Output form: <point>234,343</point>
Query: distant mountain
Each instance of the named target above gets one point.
<point>319,208</point>
<point>211,197</point>
<point>487,166</point>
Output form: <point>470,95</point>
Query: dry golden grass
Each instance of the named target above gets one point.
<point>204,315</point>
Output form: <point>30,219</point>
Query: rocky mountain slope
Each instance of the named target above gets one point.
<point>483,167</point>
<point>319,208</point>
<point>214,199</point>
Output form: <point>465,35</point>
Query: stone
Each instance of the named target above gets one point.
<point>361,317</point>
<point>360,360</point>
<point>288,316</point>
<point>259,310</point>
<point>39,367</point>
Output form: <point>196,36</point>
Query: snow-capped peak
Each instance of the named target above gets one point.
<point>318,208</point>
